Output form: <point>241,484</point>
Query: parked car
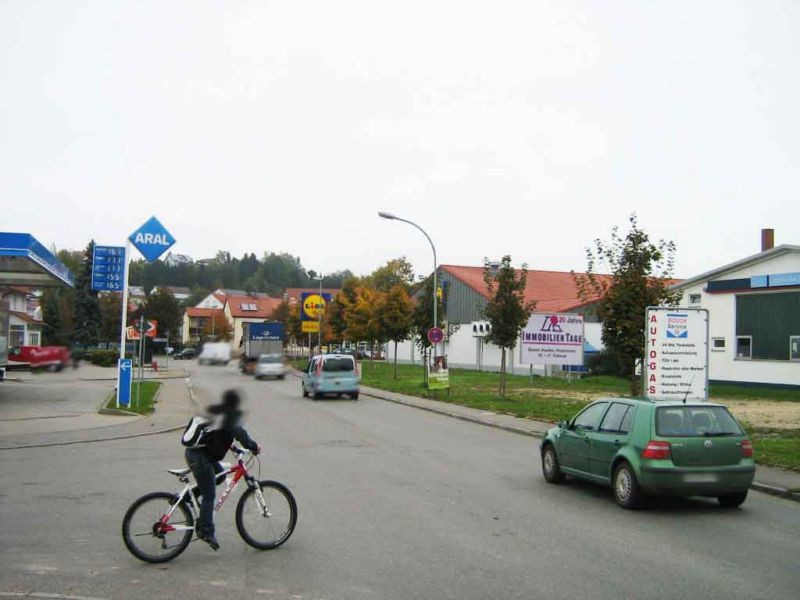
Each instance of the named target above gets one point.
<point>334,374</point>
<point>185,354</point>
<point>270,365</point>
<point>215,353</point>
<point>642,448</point>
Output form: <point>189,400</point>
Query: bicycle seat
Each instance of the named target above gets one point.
<point>179,472</point>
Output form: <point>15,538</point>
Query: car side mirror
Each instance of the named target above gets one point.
<point>563,425</point>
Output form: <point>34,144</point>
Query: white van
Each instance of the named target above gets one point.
<point>215,353</point>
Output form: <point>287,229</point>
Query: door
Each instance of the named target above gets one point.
<point>307,374</point>
<point>574,441</point>
<point>611,435</point>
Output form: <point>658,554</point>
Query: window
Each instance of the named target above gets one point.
<point>695,421</point>
<point>16,335</point>
<point>588,419</point>
<point>794,347</point>
<point>718,344</point>
<point>625,426</point>
<point>338,365</point>
<point>34,338</point>
<point>612,422</point>
<point>248,307</point>
<point>694,299</point>
<point>744,346</point>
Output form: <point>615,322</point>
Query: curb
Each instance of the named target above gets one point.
<point>760,487</point>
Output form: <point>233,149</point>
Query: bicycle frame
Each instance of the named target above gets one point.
<point>239,471</point>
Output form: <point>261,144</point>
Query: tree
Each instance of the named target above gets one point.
<point>640,276</point>
<point>58,305</point>
<point>111,317</point>
<point>217,327</point>
<point>395,314</point>
<point>422,318</point>
<point>87,307</point>
<point>506,309</point>
<point>397,271</point>
<point>336,311</point>
<point>162,307</point>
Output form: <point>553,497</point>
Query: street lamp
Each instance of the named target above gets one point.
<point>391,217</point>
<point>319,313</point>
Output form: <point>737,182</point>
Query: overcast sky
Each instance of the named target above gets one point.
<point>526,128</point>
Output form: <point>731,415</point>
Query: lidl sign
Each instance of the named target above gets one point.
<point>152,239</point>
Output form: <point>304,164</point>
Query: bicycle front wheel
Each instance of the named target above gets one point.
<point>266,515</point>
<point>152,538</point>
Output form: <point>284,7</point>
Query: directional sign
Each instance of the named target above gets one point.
<point>150,330</point>
<point>108,268</point>
<point>152,239</point>
<point>125,368</point>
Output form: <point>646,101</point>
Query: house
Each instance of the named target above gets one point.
<point>248,309</point>
<point>195,322</point>
<point>179,293</point>
<point>136,296</point>
<point>754,315</point>
<point>25,316</point>
<point>465,296</point>
<point>173,260</point>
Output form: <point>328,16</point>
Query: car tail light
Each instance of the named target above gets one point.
<point>747,449</point>
<point>656,450</point>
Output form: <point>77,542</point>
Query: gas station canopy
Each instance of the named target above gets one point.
<point>24,261</point>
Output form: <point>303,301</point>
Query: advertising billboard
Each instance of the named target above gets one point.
<point>552,339</point>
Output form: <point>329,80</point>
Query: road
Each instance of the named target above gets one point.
<point>394,503</point>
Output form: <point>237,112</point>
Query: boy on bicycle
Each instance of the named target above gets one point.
<point>204,460</point>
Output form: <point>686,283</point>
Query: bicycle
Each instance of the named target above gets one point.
<point>164,521</point>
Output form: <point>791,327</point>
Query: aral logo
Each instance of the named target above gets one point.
<point>152,239</point>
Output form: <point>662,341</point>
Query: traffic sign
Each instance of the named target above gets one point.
<point>150,330</point>
<point>152,239</point>
<point>108,268</point>
<point>435,335</point>
<point>125,368</point>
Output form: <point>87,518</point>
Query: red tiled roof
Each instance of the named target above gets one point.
<point>295,293</point>
<point>25,317</point>
<point>551,290</point>
<point>202,312</point>
<point>220,297</point>
<point>264,307</point>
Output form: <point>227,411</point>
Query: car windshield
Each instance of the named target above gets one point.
<point>695,421</point>
<point>269,359</point>
<point>337,365</point>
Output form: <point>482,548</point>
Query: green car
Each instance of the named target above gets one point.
<point>643,448</point>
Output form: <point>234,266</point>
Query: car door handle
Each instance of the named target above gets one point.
<point>617,442</point>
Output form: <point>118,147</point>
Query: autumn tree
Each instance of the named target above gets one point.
<point>395,316</point>
<point>397,271</point>
<point>640,276</point>
<point>217,327</point>
<point>162,307</point>
<point>506,310</point>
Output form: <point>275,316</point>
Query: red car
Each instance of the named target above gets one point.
<point>39,357</point>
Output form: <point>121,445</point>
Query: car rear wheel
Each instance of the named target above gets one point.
<point>626,488</point>
<point>317,396</point>
<point>354,396</point>
<point>732,500</point>
<point>305,393</point>
<point>550,467</point>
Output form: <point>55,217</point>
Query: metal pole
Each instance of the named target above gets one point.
<point>124,321</point>
<point>321,302</point>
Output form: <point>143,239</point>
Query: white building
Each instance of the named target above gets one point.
<point>754,316</point>
<point>25,316</point>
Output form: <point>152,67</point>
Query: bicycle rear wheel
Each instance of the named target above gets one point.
<point>148,537</point>
<point>266,515</point>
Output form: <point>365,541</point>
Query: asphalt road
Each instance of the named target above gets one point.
<point>394,503</point>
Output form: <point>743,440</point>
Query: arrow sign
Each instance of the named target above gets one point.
<point>152,239</point>
<point>150,330</point>
<point>124,384</point>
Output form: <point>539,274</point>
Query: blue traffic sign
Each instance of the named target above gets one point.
<point>152,239</point>
<point>125,367</point>
<point>108,268</point>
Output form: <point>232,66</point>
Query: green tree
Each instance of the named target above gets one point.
<point>58,304</point>
<point>87,307</point>
<point>422,318</point>
<point>111,314</point>
<point>163,308</point>
<point>640,276</point>
<point>506,309</point>
<point>395,314</point>
<point>336,311</point>
<point>397,271</point>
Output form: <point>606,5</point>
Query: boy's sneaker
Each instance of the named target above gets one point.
<point>209,539</point>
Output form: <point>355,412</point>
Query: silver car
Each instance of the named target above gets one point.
<point>270,365</point>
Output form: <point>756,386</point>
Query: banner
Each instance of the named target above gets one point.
<point>552,339</point>
<point>676,354</point>
<point>438,374</point>
<point>265,332</point>
<point>312,304</point>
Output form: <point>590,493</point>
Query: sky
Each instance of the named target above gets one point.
<point>526,128</point>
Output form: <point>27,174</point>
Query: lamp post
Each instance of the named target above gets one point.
<point>319,313</point>
<point>391,217</point>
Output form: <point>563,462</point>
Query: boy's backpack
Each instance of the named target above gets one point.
<point>195,431</point>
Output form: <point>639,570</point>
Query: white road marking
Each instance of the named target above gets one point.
<point>47,595</point>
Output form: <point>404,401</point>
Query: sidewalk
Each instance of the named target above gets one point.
<point>770,480</point>
<point>174,407</point>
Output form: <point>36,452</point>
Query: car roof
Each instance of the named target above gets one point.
<point>658,402</point>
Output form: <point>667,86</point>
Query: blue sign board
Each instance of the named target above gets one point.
<point>152,239</point>
<point>759,281</point>
<point>265,332</point>
<point>125,366</point>
<point>783,279</point>
<point>108,268</point>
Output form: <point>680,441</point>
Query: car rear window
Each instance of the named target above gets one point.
<point>695,421</point>
<point>337,365</point>
<point>268,359</point>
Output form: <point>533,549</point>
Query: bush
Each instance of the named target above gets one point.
<point>605,363</point>
<point>103,358</point>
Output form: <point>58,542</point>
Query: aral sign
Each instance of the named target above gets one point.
<point>676,354</point>
<point>552,339</point>
<point>152,239</point>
